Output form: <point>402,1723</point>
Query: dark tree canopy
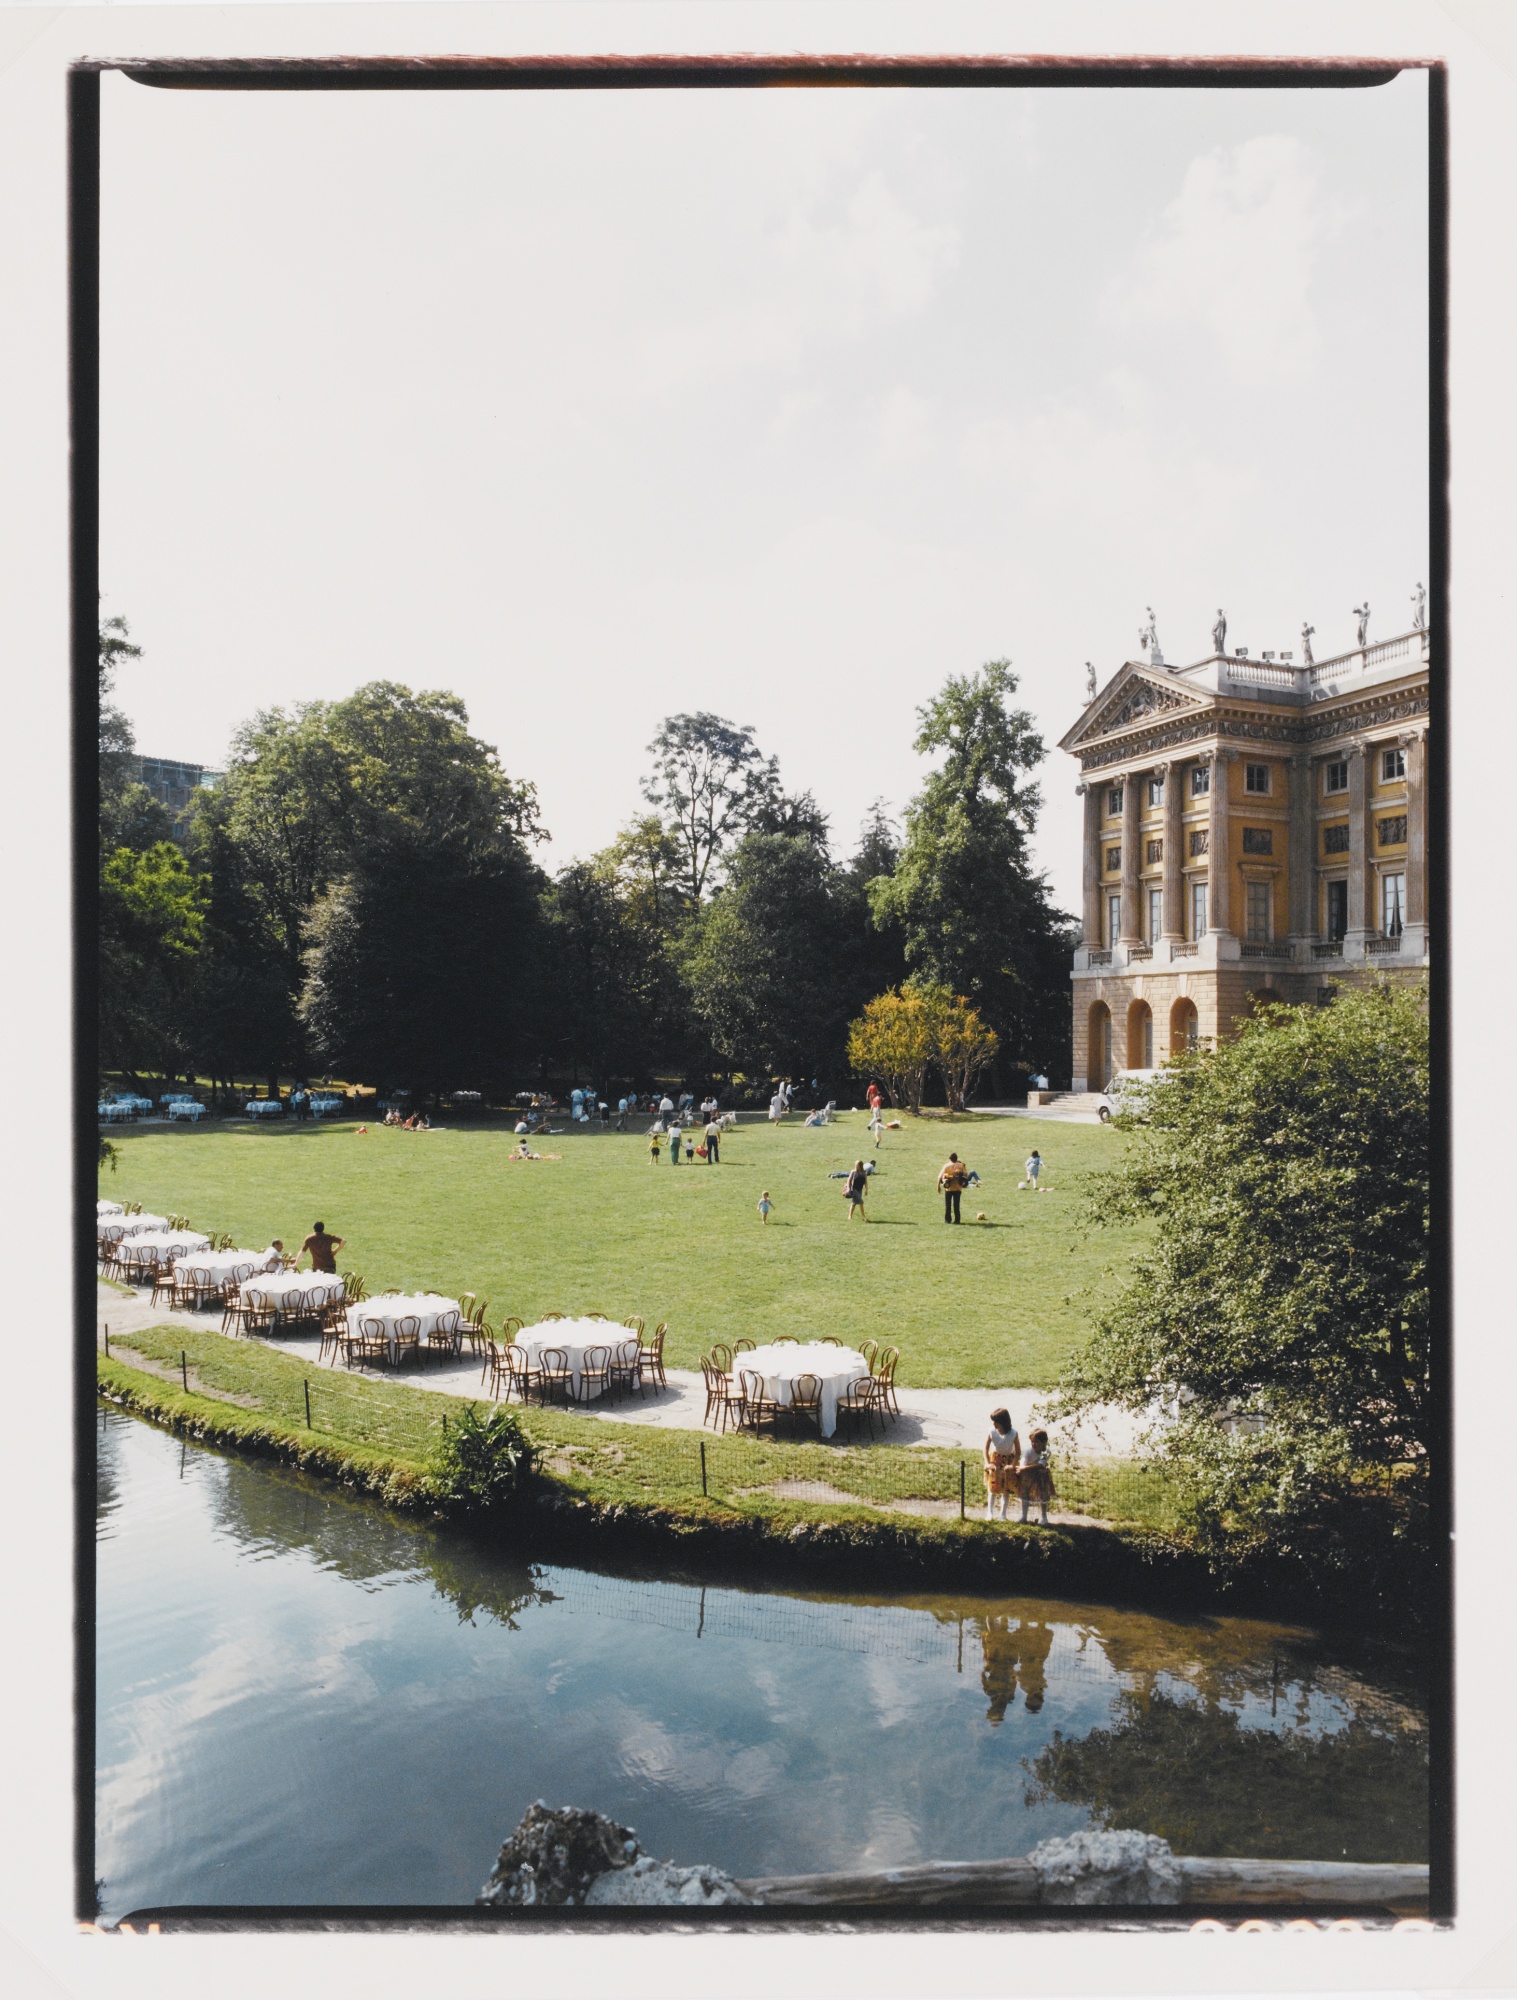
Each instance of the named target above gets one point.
<point>708,783</point>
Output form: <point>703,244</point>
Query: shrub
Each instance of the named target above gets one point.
<point>483,1462</point>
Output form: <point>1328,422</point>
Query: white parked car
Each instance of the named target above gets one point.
<point>1125,1093</point>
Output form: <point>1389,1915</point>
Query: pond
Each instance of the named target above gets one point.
<point>304,1699</point>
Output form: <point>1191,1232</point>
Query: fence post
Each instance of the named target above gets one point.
<point>107,1340</point>
<point>184,1373</point>
<point>703,1468</point>
<point>307,1387</point>
<point>962,1465</point>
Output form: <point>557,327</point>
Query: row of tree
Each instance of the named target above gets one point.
<point>361,896</point>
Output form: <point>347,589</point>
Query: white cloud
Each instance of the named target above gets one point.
<point>1235,252</point>
<point>903,426</point>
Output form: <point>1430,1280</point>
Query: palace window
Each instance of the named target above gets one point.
<point>1197,909</point>
<point>1392,904</point>
<point>1335,840</point>
<point>1392,765</point>
<point>1113,860</point>
<point>1335,776</point>
<point>1198,841</point>
<point>1156,791</point>
<point>1155,915</point>
<point>1258,840</point>
<point>1155,848</point>
<point>1256,778</point>
<point>1393,831</point>
<point>1113,919</point>
<point>1200,780</point>
<point>1337,910</point>
<point>1258,912</point>
<point>1114,802</point>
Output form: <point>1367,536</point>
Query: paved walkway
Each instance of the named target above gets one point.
<point>955,1418</point>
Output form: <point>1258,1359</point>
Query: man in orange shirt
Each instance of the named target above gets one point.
<point>952,1182</point>
<point>321,1248</point>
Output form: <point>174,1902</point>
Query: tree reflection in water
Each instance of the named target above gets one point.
<point>1194,1774</point>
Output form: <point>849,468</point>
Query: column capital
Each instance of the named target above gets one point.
<point>1161,770</point>
<point>1416,734</point>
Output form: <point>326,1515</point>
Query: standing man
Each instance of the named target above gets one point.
<point>322,1250</point>
<point>675,1135</point>
<point>713,1140</point>
<point>951,1184</point>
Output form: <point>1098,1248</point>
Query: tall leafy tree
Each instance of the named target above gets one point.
<point>1285,1296</point>
<point>973,913</point>
<point>129,814</point>
<point>762,963</point>
<point>708,784</point>
<point>151,915</point>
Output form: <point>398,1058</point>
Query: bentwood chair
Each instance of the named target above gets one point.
<point>719,1396</point>
<point>743,1346</point>
<point>721,1354</point>
<point>635,1323</point>
<point>369,1343</point>
<point>408,1338</point>
<point>857,1404</point>
<point>552,1315</point>
<point>830,1340</point>
<point>445,1337</point>
<point>651,1356</point>
<point>163,1284</point>
<point>625,1369</point>
<point>755,1408</point>
<point>479,1335</point>
<point>805,1407</point>
<point>869,1349</point>
<point>555,1378</point>
<point>784,1340</point>
<point>884,1383</point>
<point>594,1373</point>
<point>511,1368</point>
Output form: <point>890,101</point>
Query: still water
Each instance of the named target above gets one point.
<point>304,1699</point>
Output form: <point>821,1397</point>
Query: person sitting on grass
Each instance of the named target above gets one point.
<point>854,1189</point>
<point>1034,1480</point>
<point>1003,1448</point>
<point>765,1207</point>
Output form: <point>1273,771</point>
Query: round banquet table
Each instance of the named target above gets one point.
<point>576,1337</point>
<point>427,1308</point>
<point>120,1228</point>
<point>187,1110</point>
<point>148,1246</point>
<point>276,1289</point>
<point>225,1267</point>
<point>836,1368</point>
<point>109,1208</point>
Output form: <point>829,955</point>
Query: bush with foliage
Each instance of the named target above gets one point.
<point>483,1463</point>
<point>1283,1311</point>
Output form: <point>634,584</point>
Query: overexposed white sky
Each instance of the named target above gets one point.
<point>787,404</point>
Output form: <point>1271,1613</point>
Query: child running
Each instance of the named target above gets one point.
<point>765,1205</point>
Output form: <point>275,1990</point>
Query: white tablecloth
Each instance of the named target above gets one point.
<point>778,1368</point>
<point>150,1245</point>
<point>192,1112</point>
<point>118,1228</point>
<point>576,1337</point>
<point>221,1267</point>
<point>391,1307</point>
<point>276,1289</point>
<point>264,1107</point>
<point>109,1208</point>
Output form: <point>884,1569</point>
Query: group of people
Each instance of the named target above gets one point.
<point>668,1131</point>
<point>1013,1466</point>
<point>417,1122</point>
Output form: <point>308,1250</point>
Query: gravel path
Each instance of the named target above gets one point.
<point>955,1418</point>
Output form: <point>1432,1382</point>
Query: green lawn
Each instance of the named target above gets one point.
<point>997,1304</point>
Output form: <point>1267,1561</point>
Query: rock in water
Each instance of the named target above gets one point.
<point>1088,1868</point>
<point>566,1855</point>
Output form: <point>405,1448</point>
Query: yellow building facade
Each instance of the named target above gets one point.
<point>1253,828</point>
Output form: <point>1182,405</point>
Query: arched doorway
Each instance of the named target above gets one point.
<point>1184,1027</point>
<point>1100,1045</point>
<point>1140,1035</point>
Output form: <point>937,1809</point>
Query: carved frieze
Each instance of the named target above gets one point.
<point>1131,703</point>
<point>1207,724</point>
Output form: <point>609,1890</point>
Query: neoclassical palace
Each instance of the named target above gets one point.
<point>1252,827</point>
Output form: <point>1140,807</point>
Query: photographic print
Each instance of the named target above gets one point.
<point>763,877</point>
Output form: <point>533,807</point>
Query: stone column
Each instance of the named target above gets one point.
<point>1303,854</point>
<point>1132,807</point>
<point>1218,884</point>
<point>1361,918</point>
<point>1414,743</point>
<point>1174,856</point>
<point>1092,790</point>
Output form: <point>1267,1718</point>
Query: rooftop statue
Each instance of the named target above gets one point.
<point>1148,639</point>
<point>1419,610</point>
<point>1219,632</point>
<point>1090,682</point>
<point>1362,613</point>
<point>1306,643</point>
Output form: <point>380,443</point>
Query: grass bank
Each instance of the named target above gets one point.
<point>608,1491</point>
<point>997,1304</point>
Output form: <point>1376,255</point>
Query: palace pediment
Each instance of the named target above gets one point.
<point>1136,695</point>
